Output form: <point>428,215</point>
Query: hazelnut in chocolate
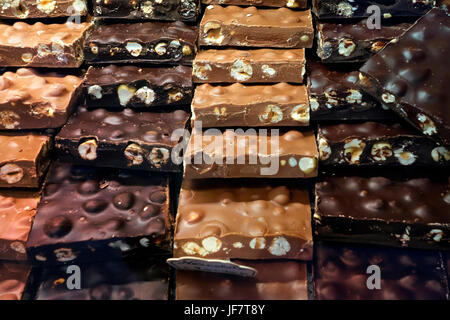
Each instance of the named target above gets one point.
<point>34,9</point>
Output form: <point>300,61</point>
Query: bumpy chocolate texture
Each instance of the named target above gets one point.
<point>252,27</point>
<point>24,159</point>
<point>223,221</point>
<point>409,213</point>
<point>251,154</point>
<point>91,213</point>
<point>410,75</point>
<point>340,273</point>
<point>32,9</point>
<point>17,210</point>
<point>237,105</point>
<point>335,95</point>
<point>293,4</point>
<point>169,10</point>
<point>249,66</point>
<point>135,87</point>
<point>126,139</point>
<point>353,42</point>
<point>339,9</point>
<point>43,45</point>
<point>13,280</point>
<point>376,143</point>
<point>150,42</point>
<point>143,279</point>
<point>29,100</point>
<point>275,280</point>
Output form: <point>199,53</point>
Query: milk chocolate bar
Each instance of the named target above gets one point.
<point>88,213</point>
<point>347,42</point>
<point>377,143</point>
<point>173,10</point>
<point>410,75</point>
<point>252,27</point>
<point>251,154</point>
<point>125,139</point>
<point>226,221</point>
<point>249,66</point>
<point>338,9</point>
<point>355,272</point>
<point>13,280</point>
<point>24,159</point>
<point>126,279</point>
<point>147,42</point>
<point>275,280</point>
<point>29,100</point>
<point>237,105</point>
<point>17,211</point>
<point>43,45</point>
<point>33,9</point>
<point>135,87</point>
<point>335,95</point>
<point>293,4</point>
<point>396,212</point>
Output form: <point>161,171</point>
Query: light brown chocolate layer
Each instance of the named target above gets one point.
<point>43,45</point>
<point>223,220</point>
<point>24,159</point>
<point>249,66</point>
<point>252,153</point>
<point>29,100</point>
<point>237,105</point>
<point>32,9</point>
<point>252,27</point>
<point>262,3</point>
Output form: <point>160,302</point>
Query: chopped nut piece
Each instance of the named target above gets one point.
<point>134,48</point>
<point>353,149</point>
<point>404,157</point>
<point>212,33</point>
<point>11,173</point>
<point>146,95</point>
<point>324,149</point>
<point>272,113</point>
<point>158,156</point>
<point>95,91</point>
<point>279,247</point>
<point>135,154</point>
<point>241,70</point>
<point>125,94</point>
<point>88,149</point>
<point>161,48</point>
<point>381,151</point>
<point>346,47</point>
<point>426,124</point>
<point>212,244</point>
<point>258,243</point>
<point>300,113</point>
<point>440,153</point>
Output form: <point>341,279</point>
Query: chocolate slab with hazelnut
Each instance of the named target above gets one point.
<point>24,159</point>
<point>121,139</point>
<point>293,4</point>
<point>225,220</point>
<point>240,105</point>
<point>33,9</point>
<point>249,66</point>
<point>30,100</point>
<point>252,27</point>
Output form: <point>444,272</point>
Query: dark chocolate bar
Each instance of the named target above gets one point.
<point>355,272</point>
<point>33,9</point>
<point>24,160</point>
<point>348,42</point>
<point>410,75</point>
<point>43,45</point>
<point>169,10</point>
<point>147,42</point>
<point>125,139</point>
<point>135,87</point>
<point>378,144</point>
<point>13,280</point>
<point>29,100</point>
<point>335,95</point>
<point>275,280</point>
<point>91,213</point>
<point>339,9</point>
<point>127,279</point>
<point>379,210</point>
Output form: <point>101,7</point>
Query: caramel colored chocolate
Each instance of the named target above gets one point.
<point>237,105</point>
<point>43,45</point>
<point>410,75</point>
<point>13,280</point>
<point>251,154</point>
<point>225,221</point>
<point>377,143</point>
<point>17,211</point>
<point>24,159</point>
<point>249,66</point>
<point>252,27</point>
<point>32,9</point>
<point>263,3</point>
<point>29,100</point>
<point>379,210</point>
<point>285,280</point>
